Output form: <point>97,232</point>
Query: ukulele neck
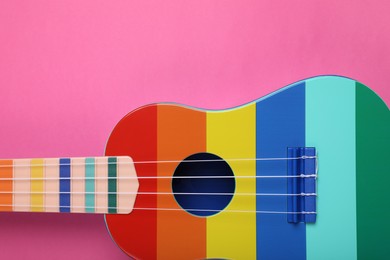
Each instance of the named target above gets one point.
<point>69,185</point>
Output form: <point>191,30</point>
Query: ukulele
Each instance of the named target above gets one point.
<point>301,173</point>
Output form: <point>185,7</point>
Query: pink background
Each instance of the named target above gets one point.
<point>69,70</point>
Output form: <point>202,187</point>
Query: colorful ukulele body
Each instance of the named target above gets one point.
<point>346,123</point>
<point>299,174</point>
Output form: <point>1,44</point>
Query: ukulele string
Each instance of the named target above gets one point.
<point>162,177</point>
<point>156,209</point>
<point>163,193</point>
<point>159,161</point>
<point>158,177</point>
<point>231,211</point>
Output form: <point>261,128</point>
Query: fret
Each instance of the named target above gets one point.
<point>37,183</point>
<point>64,185</point>
<point>101,185</point>
<point>21,202</point>
<point>112,185</point>
<point>52,185</point>
<point>78,185</point>
<point>90,185</point>
<point>75,185</point>
<point>6,171</point>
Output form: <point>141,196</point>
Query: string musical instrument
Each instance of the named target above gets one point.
<point>301,173</point>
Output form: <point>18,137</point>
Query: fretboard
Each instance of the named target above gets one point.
<point>76,185</point>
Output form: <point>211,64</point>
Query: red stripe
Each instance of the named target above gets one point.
<point>136,136</point>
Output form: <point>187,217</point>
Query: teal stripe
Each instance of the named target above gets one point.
<point>112,185</point>
<point>330,127</point>
<point>89,185</point>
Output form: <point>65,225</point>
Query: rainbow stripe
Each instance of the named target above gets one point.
<point>6,172</point>
<point>68,185</point>
<point>328,113</point>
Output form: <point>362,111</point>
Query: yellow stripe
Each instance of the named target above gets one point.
<point>232,134</point>
<point>37,185</point>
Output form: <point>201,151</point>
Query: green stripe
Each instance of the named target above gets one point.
<point>330,127</point>
<point>373,175</point>
<point>89,185</point>
<point>112,185</point>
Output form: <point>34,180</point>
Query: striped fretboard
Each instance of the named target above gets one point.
<point>82,185</point>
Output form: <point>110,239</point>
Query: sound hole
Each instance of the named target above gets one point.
<point>211,175</point>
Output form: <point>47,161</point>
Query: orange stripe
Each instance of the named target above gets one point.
<point>6,171</point>
<point>181,132</point>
